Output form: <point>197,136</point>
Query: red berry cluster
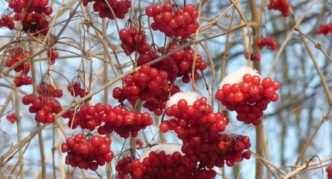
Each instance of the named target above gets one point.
<point>120,8</point>
<point>161,165</point>
<point>253,57</point>
<point>279,5</point>
<point>16,55</point>
<point>139,143</point>
<point>177,65</point>
<point>199,129</point>
<point>125,123</point>
<point>7,21</point>
<point>180,23</point>
<point>76,90</point>
<point>87,153</point>
<point>133,40</point>
<point>124,167</point>
<point>329,172</point>
<point>150,85</point>
<point>52,55</point>
<point>44,105</point>
<point>249,98</point>
<point>33,14</point>
<point>270,42</point>
<point>325,29</point>
<point>11,118</point>
<point>117,119</point>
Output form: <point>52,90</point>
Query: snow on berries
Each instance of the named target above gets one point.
<point>325,29</point>
<point>190,98</point>
<point>249,95</point>
<point>11,118</point>
<point>44,104</point>
<point>177,65</point>
<point>329,172</point>
<point>107,119</point>
<point>87,152</point>
<point>200,131</point>
<point>149,85</point>
<point>119,7</point>
<point>16,55</point>
<point>7,21</point>
<point>162,165</point>
<point>269,42</point>
<point>32,14</point>
<point>179,22</point>
<point>133,40</point>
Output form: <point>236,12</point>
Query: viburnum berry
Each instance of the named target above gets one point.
<point>179,22</point>
<point>33,18</point>
<point>280,5</point>
<point>270,42</point>
<point>253,57</point>
<point>133,40</point>
<point>11,118</point>
<point>7,21</point>
<point>159,164</point>
<point>149,85</point>
<point>52,55</point>
<point>248,97</point>
<point>119,7</point>
<point>325,29</point>
<point>177,65</point>
<point>87,152</point>
<point>44,105</point>
<point>107,119</point>
<point>75,90</point>
<point>329,172</point>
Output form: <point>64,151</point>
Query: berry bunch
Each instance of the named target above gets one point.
<point>249,98</point>
<point>16,55</point>
<point>124,167</point>
<point>179,23</point>
<point>125,123</point>
<point>88,116</point>
<point>87,153</point>
<point>150,85</point>
<point>325,29</point>
<point>76,90</point>
<point>132,40</point>
<point>139,143</point>
<point>253,57</point>
<point>120,8</point>
<point>199,129</point>
<point>11,118</point>
<point>52,55</point>
<point>329,172</point>
<point>33,14</point>
<point>162,165</point>
<point>270,42</point>
<point>7,21</point>
<point>177,65</point>
<point>279,5</point>
<point>109,119</point>
<point>45,105</point>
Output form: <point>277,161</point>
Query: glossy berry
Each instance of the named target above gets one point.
<point>270,42</point>
<point>280,5</point>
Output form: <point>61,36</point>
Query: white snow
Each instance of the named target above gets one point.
<point>190,97</point>
<point>169,149</point>
<point>236,76</point>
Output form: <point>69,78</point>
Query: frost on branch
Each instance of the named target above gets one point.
<point>236,76</point>
<point>190,97</point>
<point>169,149</point>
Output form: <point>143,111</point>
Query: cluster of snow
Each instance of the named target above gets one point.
<point>236,76</point>
<point>169,149</point>
<point>190,97</point>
